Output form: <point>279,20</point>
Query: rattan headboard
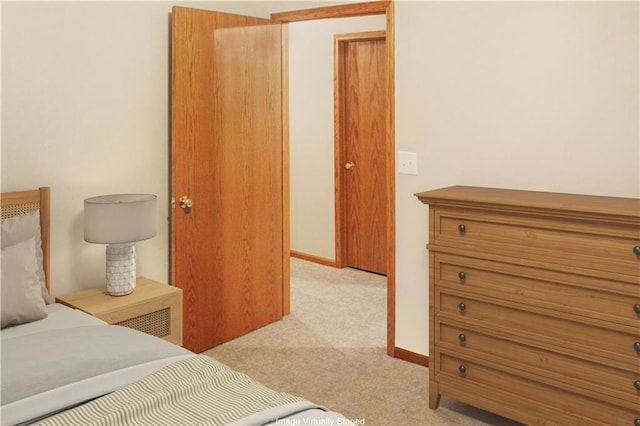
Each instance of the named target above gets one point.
<point>15,203</point>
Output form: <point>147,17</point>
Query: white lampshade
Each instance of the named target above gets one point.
<point>120,218</point>
<point>119,221</point>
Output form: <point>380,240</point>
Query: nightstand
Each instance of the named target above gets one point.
<point>153,308</point>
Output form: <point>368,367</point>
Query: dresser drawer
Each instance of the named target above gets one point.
<point>571,293</point>
<point>469,376</point>
<point>616,385</point>
<point>608,247</point>
<point>515,320</point>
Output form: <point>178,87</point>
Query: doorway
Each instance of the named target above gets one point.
<point>386,9</point>
<point>191,249</point>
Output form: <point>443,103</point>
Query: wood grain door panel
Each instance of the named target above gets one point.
<point>226,155</point>
<point>248,185</point>
<point>364,141</point>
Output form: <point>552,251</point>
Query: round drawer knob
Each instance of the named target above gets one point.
<point>636,422</point>
<point>636,308</point>
<point>636,384</point>
<point>462,338</point>
<point>462,228</point>
<point>462,275</point>
<point>636,250</point>
<point>636,346</point>
<point>462,369</point>
<point>462,307</point>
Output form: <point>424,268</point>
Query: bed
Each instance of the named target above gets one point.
<point>60,366</point>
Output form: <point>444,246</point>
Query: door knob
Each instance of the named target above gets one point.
<point>186,202</point>
<point>350,165</point>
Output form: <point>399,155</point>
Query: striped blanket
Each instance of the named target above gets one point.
<point>195,391</point>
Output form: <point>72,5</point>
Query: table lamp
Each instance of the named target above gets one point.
<point>119,220</point>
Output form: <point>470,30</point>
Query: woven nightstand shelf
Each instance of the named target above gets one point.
<point>152,308</point>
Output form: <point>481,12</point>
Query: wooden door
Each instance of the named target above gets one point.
<point>228,247</point>
<point>363,158</point>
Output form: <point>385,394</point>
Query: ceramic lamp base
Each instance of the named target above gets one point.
<point>121,269</point>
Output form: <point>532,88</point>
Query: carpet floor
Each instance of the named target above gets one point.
<point>331,350</point>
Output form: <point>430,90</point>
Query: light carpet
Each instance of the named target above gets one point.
<point>331,350</point>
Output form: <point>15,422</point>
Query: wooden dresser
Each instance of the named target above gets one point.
<point>534,304</point>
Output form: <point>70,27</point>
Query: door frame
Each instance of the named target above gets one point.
<point>352,10</point>
<point>341,237</point>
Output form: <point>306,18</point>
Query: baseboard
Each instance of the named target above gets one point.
<point>412,357</point>
<point>315,259</point>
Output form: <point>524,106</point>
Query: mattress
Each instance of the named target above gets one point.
<point>71,357</point>
<point>72,368</point>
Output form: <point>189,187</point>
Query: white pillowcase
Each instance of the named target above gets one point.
<point>21,291</point>
<point>20,228</point>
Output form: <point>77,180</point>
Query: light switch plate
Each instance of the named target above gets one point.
<point>407,163</point>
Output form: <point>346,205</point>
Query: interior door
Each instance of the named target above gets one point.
<point>362,68</point>
<point>228,223</point>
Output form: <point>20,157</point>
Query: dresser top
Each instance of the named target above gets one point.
<point>533,200</point>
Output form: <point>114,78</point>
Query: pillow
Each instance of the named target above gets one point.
<point>21,292</point>
<point>20,228</point>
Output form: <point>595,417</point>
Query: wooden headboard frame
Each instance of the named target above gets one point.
<point>17,203</point>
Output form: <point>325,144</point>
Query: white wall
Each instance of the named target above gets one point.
<point>85,110</point>
<point>311,117</point>
<point>525,95</point>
